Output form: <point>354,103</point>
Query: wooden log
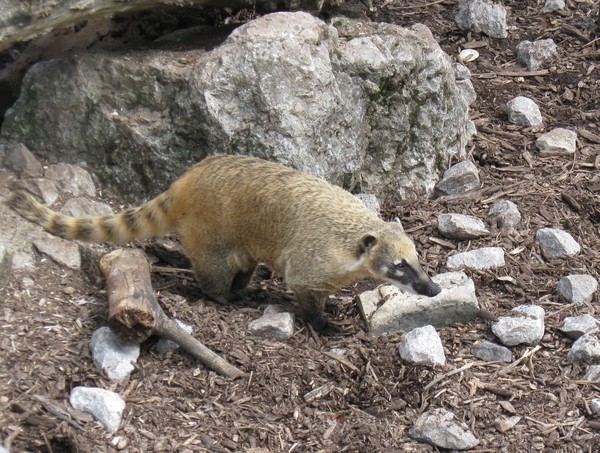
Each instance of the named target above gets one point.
<point>134,313</point>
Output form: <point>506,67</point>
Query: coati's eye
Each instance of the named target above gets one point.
<point>400,266</point>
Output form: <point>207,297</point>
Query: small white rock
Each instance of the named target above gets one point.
<point>467,55</point>
<point>482,258</point>
<point>524,112</point>
<point>459,178</point>
<point>273,325</point>
<point>481,16</point>
<point>439,427</point>
<point>491,352</point>
<point>557,243</point>
<point>592,373</point>
<point>535,54</point>
<point>586,349</point>
<point>422,346</point>
<point>526,327</point>
<point>552,6</point>
<point>559,140</point>
<point>576,326</point>
<point>577,288</point>
<point>595,406</point>
<point>112,356</point>
<point>105,406</point>
<point>460,226</point>
<point>504,214</point>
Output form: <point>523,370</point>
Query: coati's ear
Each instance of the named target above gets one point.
<point>366,242</point>
<point>397,220</point>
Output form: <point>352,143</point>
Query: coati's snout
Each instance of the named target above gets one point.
<point>390,255</point>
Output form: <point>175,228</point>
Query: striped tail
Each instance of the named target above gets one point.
<point>148,220</point>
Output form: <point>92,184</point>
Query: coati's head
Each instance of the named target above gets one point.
<point>390,255</point>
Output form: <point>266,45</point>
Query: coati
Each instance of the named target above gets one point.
<point>233,212</point>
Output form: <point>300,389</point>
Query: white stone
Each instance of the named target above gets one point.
<point>394,310</point>
<point>535,54</point>
<point>482,258</point>
<point>105,406</point>
<point>557,243</point>
<point>439,427</point>
<point>459,178</point>
<point>585,349</point>
<point>273,325</point>
<point>595,406</point>
<point>491,352</point>
<point>552,6</point>
<point>460,226</point>
<point>504,214</point>
<point>422,346</point>
<point>577,288</point>
<point>163,345</point>
<point>111,355</point>
<point>482,17</point>
<point>559,140</point>
<point>526,327</point>
<point>576,326</point>
<point>524,112</point>
<point>468,55</point>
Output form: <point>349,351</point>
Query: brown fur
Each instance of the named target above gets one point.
<point>233,212</point>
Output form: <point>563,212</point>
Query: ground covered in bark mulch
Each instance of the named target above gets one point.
<point>174,404</point>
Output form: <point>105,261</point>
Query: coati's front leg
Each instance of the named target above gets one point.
<point>312,307</point>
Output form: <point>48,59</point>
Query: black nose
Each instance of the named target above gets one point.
<point>428,289</point>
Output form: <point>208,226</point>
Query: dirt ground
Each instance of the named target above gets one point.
<point>174,404</point>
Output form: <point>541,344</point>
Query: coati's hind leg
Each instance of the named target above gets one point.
<point>311,305</point>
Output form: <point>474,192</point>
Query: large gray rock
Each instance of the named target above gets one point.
<point>378,110</point>
<point>577,288</point>
<point>482,258</point>
<point>460,226</point>
<point>64,252</point>
<point>535,54</point>
<point>557,243</point>
<point>586,349</point>
<point>388,309</point>
<point>524,112</point>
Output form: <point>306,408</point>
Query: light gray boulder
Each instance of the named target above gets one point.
<point>105,406</point>
<point>482,258</point>
<point>557,243</point>
<point>422,346</point>
<point>460,226</point>
<point>491,352</point>
<point>525,327</point>
<point>388,309</point>
<point>111,355</point>
<point>439,427</point>
<point>504,214</point>
<point>482,16</point>
<point>19,159</point>
<point>535,54</point>
<point>577,288</point>
<point>377,111</point>
<point>595,406</point>
<point>524,112</point>
<point>557,141</point>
